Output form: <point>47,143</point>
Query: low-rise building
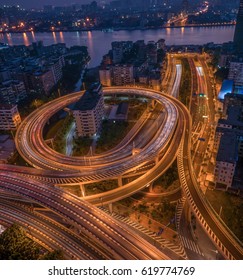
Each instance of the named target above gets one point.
<point>9,117</point>
<point>119,112</point>
<point>89,111</point>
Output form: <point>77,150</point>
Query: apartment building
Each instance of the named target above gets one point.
<point>89,111</point>
<point>226,160</point>
<point>123,75</point>
<point>236,73</point>
<point>12,91</point>
<point>105,74</point>
<point>9,117</point>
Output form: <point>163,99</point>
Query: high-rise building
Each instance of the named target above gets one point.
<point>123,74</point>
<point>236,72</point>
<point>105,74</point>
<point>226,160</point>
<point>89,111</point>
<point>119,48</point>
<point>238,36</point>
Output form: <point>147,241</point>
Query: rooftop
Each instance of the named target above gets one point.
<point>234,117</point>
<point>89,99</point>
<point>228,148</point>
<point>6,106</point>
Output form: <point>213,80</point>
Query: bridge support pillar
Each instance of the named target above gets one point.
<point>82,189</point>
<point>119,181</point>
<point>153,103</point>
<point>110,208</point>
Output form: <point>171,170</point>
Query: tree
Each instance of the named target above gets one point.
<point>15,245</point>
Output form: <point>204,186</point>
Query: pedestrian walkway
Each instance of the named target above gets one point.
<point>191,245</point>
<point>179,209</point>
<point>178,249</point>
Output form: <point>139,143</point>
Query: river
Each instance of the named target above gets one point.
<point>99,42</point>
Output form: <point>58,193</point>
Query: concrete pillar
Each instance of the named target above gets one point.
<point>153,103</point>
<point>110,208</point>
<point>82,189</point>
<point>119,181</point>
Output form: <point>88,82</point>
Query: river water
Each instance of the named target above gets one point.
<point>99,42</point>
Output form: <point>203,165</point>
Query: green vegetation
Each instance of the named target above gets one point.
<point>232,209</point>
<point>168,177</point>
<point>185,86</point>
<point>54,129</point>
<point>161,212</point>
<point>100,187</point>
<point>136,109</point>
<point>32,102</point>
<point>62,130</point>
<point>112,133</point>
<point>19,160</point>
<point>15,245</point>
<point>221,74</point>
<point>81,146</point>
<point>215,56</point>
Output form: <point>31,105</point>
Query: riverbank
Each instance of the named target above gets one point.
<point>99,43</point>
<point>114,29</point>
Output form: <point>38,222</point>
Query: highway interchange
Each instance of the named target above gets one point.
<point>102,236</point>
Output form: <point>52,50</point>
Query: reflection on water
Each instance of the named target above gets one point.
<point>54,37</point>
<point>61,37</point>
<point>33,36</point>
<point>9,39</point>
<point>99,42</point>
<point>26,39</point>
<point>90,42</point>
<point>168,31</point>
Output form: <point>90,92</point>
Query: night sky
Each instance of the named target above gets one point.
<point>39,4</point>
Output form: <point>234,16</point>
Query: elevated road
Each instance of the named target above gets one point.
<point>49,233</point>
<point>33,149</point>
<point>92,221</point>
<point>220,234</point>
<point>104,231</point>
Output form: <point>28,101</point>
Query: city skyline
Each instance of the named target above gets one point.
<point>40,4</point>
